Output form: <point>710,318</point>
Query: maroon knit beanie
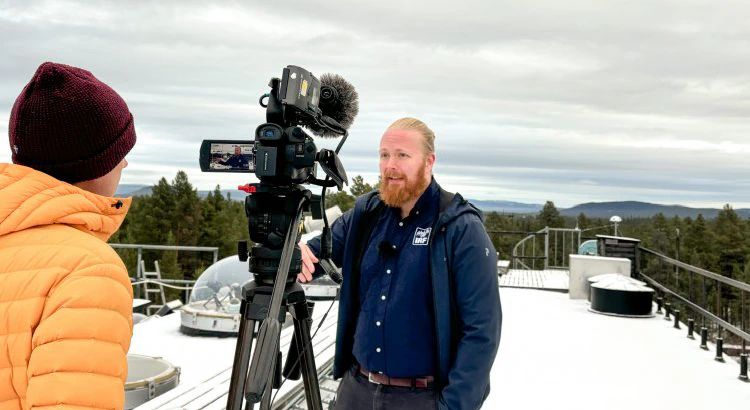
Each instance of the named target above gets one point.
<point>69,125</point>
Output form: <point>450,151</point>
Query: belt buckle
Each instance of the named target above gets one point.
<point>370,379</point>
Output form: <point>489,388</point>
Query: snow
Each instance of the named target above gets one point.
<point>555,354</point>
<point>206,362</point>
<point>615,281</point>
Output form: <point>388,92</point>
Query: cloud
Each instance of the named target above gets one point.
<point>531,101</point>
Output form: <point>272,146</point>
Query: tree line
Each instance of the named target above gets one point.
<point>174,214</point>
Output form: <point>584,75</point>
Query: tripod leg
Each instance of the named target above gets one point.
<point>249,405</point>
<point>277,372</point>
<point>241,357</point>
<point>291,367</point>
<point>305,351</point>
<point>265,403</point>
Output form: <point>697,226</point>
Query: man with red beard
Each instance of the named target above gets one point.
<point>419,313</point>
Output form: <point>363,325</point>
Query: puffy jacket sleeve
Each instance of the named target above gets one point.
<point>479,312</point>
<point>79,348</point>
<point>339,231</point>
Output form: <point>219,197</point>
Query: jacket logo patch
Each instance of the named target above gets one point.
<point>421,236</point>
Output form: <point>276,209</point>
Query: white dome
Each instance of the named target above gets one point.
<point>219,288</point>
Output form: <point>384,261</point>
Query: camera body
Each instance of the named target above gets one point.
<point>284,156</point>
<point>282,153</point>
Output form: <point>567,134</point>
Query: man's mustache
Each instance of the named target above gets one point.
<point>394,175</point>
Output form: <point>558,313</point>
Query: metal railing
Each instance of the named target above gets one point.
<point>694,295</point>
<point>140,248</point>
<point>184,285</point>
<point>548,247</point>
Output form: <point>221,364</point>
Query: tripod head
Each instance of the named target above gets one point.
<point>271,211</point>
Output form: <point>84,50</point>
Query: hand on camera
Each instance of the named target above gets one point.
<point>308,264</point>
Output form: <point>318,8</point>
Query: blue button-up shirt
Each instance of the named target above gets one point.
<point>395,332</point>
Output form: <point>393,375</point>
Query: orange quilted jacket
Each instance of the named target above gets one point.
<point>65,297</point>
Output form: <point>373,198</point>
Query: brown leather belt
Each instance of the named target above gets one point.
<point>419,382</point>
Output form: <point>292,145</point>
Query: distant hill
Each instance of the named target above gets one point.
<point>507,207</point>
<point>635,209</point>
<point>623,209</point>
<point>145,190</point>
<point>128,189</point>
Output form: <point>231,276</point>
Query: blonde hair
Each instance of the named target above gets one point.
<point>413,124</point>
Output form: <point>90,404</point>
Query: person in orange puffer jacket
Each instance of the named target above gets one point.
<point>65,296</point>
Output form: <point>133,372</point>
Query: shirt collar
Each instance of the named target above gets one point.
<point>428,197</point>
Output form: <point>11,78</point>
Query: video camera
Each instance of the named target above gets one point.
<point>283,156</point>
<point>282,153</point>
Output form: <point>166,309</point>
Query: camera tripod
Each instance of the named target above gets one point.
<point>275,212</point>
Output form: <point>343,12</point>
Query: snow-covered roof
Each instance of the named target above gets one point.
<point>554,354</point>
<point>206,362</point>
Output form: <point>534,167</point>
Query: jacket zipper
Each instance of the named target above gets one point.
<point>430,248</point>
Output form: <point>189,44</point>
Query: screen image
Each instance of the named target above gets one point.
<point>237,157</point>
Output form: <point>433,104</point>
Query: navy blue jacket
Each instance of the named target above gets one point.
<point>463,267</point>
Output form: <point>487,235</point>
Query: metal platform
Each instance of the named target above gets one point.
<point>206,362</point>
<point>553,280</point>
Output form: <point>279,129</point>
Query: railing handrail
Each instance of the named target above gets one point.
<point>546,232</point>
<point>174,281</point>
<point>699,271</point>
<point>165,247</point>
<point>495,231</point>
<point>164,283</point>
<point>514,253</point>
<point>708,315</point>
<point>705,312</point>
<point>141,247</point>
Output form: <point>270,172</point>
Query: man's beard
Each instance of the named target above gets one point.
<point>396,196</point>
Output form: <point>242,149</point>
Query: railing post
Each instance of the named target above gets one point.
<point>138,272</point>
<point>705,302</point>
<point>691,325</point>
<point>554,257</point>
<point>677,319</point>
<point>743,368</point>
<point>546,247</point>
<point>704,338</point>
<point>563,244</point>
<point>690,294</point>
<point>719,349</point>
<point>659,302</point>
<point>667,310</point>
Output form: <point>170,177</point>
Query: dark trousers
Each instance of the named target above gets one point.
<point>357,393</point>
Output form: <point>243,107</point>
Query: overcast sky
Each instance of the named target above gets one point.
<point>573,101</point>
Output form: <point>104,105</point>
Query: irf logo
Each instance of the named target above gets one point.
<point>421,236</point>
